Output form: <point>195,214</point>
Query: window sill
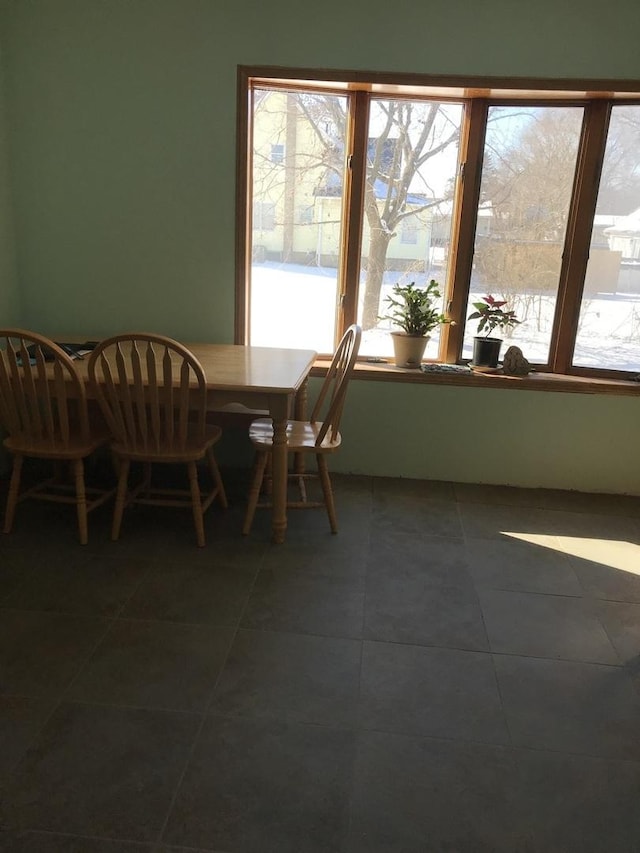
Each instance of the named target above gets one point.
<point>533,382</point>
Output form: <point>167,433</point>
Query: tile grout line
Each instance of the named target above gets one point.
<point>206,709</point>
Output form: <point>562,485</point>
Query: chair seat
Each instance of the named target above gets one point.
<point>301,436</point>
<point>72,448</point>
<point>193,449</point>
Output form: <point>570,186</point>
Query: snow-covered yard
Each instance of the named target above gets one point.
<point>295,306</point>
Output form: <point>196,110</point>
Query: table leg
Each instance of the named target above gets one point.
<point>300,414</point>
<point>279,411</point>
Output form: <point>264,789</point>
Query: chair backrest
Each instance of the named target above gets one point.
<point>151,390</point>
<point>42,397</point>
<point>330,401</point>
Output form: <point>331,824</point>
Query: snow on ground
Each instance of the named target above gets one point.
<point>295,306</point>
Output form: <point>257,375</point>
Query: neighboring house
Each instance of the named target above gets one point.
<point>624,236</point>
<point>297,197</point>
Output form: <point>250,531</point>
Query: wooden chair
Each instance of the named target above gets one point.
<point>152,393</point>
<point>319,435</point>
<point>43,408</point>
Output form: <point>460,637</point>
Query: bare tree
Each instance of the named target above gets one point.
<point>530,159</point>
<point>404,136</point>
<point>411,134</point>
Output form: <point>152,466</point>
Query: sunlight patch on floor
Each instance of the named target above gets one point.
<point>615,553</point>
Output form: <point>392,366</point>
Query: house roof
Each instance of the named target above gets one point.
<point>626,225</point>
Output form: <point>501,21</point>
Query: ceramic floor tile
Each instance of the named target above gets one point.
<point>415,795</point>
<point>584,708</point>
<point>431,692</point>
<point>335,558</point>
<point>290,677</point>
<point>79,583</point>
<point>432,560</point>
<point>41,652</point>
<point>41,842</point>
<point>194,592</point>
<point>415,739</point>
<point>426,516</point>
<point>548,626</point>
<point>490,521</point>
<point>594,526</point>
<point>575,804</point>
<point>16,565</point>
<point>104,772</point>
<point>606,569</point>
<point>532,564</point>
<point>300,603</point>
<point>20,721</point>
<point>277,788</point>
<point>57,525</point>
<point>410,611</point>
<point>387,491</point>
<point>154,665</point>
<point>621,621</point>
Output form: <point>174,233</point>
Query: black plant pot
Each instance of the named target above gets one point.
<point>486,352</point>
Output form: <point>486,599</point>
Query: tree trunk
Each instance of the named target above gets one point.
<point>376,264</point>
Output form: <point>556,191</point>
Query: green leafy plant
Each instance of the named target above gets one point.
<point>412,308</point>
<point>491,315</point>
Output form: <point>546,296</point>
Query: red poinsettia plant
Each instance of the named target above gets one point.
<point>491,315</point>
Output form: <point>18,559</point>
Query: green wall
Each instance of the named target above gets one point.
<point>9,294</point>
<point>120,119</point>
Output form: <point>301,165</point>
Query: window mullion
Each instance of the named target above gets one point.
<point>578,235</point>
<point>353,214</point>
<point>242,215</point>
<point>464,224</point>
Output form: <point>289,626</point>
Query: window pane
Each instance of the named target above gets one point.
<point>527,178</point>
<point>412,163</point>
<point>296,186</point>
<point>609,326</point>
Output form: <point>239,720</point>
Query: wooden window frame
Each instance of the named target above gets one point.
<point>478,94</point>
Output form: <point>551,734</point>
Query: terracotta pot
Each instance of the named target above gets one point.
<point>486,352</point>
<point>409,349</point>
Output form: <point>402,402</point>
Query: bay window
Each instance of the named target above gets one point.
<point>529,194</point>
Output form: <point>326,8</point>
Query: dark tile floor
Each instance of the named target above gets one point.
<point>458,670</point>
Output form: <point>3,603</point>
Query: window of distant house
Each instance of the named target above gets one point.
<point>264,216</point>
<point>409,232</point>
<point>277,153</point>
<point>531,195</point>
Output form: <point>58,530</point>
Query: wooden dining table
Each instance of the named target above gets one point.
<point>272,379</point>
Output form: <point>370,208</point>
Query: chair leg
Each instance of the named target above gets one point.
<point>81,500</point>
<point>121,495</point>
<point>217,479</point>
<point>196,502</point>
<point>254,491</point>
<point>267,478</point>
<point>325,480</point>
<point>12,496</point>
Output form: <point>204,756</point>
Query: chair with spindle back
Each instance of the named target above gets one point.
<point>318,436</point>
<point>152,392</point>
<point>43,409</point>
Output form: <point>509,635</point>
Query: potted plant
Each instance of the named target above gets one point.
<point>490,314</point>
<point>415,311</point>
